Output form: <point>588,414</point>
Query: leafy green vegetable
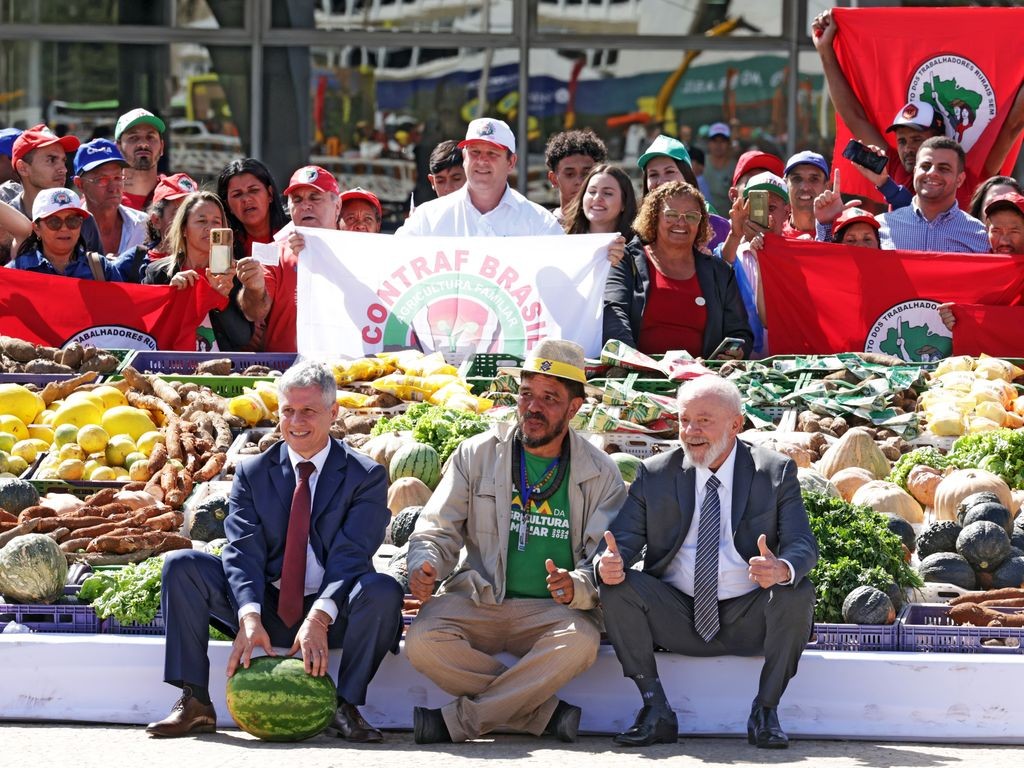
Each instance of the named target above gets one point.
<point>443,428</point>
<point>130,595</point>
<point>1000,451</point>
<point>927,456</point>
<point>856,548</point>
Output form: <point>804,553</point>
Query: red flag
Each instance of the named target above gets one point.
<point>825,298</point>
<point>52,310</point>
<point>988,330</point>
<point>964,61</point>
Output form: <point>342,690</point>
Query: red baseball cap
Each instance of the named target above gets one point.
<point>312,176</point>
<point>755,160</point>
<point>854,216</point>
<point>40,136</point>
<point>1011,200</point>
<point>358,193</point>
<point>174,187</point>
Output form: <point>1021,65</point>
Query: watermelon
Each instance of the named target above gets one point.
<point>417,460</point>
<point>275,699</point>
<point>32,569</point>
<point>628,466</point>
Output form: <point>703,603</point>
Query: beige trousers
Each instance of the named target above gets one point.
<point>453,641</point>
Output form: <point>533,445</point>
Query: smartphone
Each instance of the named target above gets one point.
<point>759,206</point>
<point>222,243</point>
<point>729,344</point>
<point>857,153</point>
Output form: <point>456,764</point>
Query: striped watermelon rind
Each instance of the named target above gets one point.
<point>417,460</point>
<point>275,699</point>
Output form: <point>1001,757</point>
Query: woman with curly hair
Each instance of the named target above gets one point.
<point>669,293</point>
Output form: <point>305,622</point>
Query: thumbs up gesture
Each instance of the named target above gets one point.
<point>559,583</point>
<point>766,569</point>
<point>422,581</point>
<point>609,565</point>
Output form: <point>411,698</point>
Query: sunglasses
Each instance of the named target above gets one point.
<point>56,223</point>
<point>692,217</point>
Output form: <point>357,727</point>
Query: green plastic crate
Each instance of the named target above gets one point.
<point>79,489</point>
<point>486,364</point>
<point>654,386</point>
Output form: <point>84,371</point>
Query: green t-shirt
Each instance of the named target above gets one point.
<point>547,537</point>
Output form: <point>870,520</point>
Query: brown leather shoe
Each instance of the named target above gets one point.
<point>188,716</point>
<point>348,724</point>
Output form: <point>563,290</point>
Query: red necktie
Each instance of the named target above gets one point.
<point>293,574</point>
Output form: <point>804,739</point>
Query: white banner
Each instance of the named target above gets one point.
<point>360,293</point>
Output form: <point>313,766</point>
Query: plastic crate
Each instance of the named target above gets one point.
<point>70,619</point>
<point>486,364</point>
<point>638,445</point>
<point>111,626</point>
<point>927,627</point>
<point>225,386</point>
<point>38,380</point>
<point>855,637</point>
<point>79,489</point>
<point>653,386</point>
<point>185,363</point>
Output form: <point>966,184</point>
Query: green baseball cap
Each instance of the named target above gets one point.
<point>770,182</point>
<point>135,117</point>
<point>665,146</point>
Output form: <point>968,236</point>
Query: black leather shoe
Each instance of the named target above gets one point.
<point>654,725</point>
<point>188,717</point>
<point>763,729</point>
<point>348,724</point>
<point>565,722</point>
<point>428,726</point>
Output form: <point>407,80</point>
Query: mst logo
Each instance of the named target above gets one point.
<point>960,91</point>
<point>911,330</point>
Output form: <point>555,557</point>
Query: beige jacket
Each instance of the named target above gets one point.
<point>466,522</point>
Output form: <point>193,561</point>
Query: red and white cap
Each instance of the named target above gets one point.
<point>313,176</point>
<point>51,201</point>
<point>492,131</point>
<point>174,187</point>
<point>39,136</point>
<point>358,193</point>
<point>854,216</point>
<point>920,115</point>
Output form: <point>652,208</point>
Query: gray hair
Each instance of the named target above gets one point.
<point>310,373</point>
<point>712,386</point>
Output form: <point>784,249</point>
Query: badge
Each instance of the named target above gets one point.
<point>699,301</point>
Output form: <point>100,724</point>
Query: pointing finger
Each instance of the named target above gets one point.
<point>835,182</point>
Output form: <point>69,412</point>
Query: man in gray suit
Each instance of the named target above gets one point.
<point>711,514</point>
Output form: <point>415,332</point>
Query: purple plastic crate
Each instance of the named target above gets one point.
<point>38,379</point>
<point>927,627</point>
<point>112,626</point>
<point>72,619</point>
<point>184,363</point>
<point>854,637</point>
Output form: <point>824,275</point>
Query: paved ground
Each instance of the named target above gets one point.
<point>85,746</point>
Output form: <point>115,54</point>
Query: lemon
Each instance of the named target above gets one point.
<point>47,417</point>
<point>14,425</point>
<point>79,413</point>
<point>71,451</point>
<point>103,473</point>
<point>16,465</point>
<point>139,472</point>
<point>21,402</point>
<point>41,432</point>
<point>147,442</point>
<point>7,441</point>
<point>93,438</point>
<point>133,457</point>
<point>64,434</point>
<point>120,473</point>
<point>49,473</point>
<point>91,465</point>
<point>71,469</point>
<point>118,449</point>
<point>29,449</point>
<point>123,419</point>
<point>110,396</point>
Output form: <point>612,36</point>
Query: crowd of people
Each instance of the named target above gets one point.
<point>686,272</point>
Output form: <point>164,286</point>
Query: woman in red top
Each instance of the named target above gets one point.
<point>254,207</point>
<point>668,293</point>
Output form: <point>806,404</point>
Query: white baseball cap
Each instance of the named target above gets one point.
<point>719,129</point>
<point>492,131</point>
<point>51,201</point>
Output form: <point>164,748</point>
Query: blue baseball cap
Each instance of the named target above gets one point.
<point>95,153</point>
<point>806,158</point>
<point>7,139</point>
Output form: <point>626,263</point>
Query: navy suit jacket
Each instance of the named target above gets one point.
<point>347,523</point>
<point>765,499</point>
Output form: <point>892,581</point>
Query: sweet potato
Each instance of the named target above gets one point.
<point>1007,593</point>
<point>168,521</point>
<point>31,513</point>
<point>165,392</point>
<point>157,459</point>
<point>96,530</point>
<point>979,616</point>
<point>70,546</point>
<point>7,517</point>
<point>101,497</point>
<point>46,366</point>
<point>211,468</point>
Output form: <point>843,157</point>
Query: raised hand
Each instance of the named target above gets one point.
<point>877,179</point>
<point>766,569</point>
<point>609,565</point>
<point>823,30</point>
<point>422,581</point>
<point>559,583</point>
<point>829,204</point>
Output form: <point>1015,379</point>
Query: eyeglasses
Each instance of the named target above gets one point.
<point>692,217</point>
<point>56,223</point>
<point>104,181</point>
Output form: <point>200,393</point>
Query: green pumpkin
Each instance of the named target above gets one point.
<point>32,569</point>
<point>17,495</point>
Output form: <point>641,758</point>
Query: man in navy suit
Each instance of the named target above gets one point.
<point>712,515</point>
<point>318,592</point>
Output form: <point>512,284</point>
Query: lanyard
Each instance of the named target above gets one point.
<point>524,493</point>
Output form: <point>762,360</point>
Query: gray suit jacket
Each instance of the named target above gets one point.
<point>765,499</point>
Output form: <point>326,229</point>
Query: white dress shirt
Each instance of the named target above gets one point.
<point>314,570</point>
<point>733,575</point>
<point>455,215</point>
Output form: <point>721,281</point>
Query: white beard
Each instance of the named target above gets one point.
<point>712,451</point>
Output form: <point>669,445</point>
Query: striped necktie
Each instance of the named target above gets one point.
<point>705,568</point>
